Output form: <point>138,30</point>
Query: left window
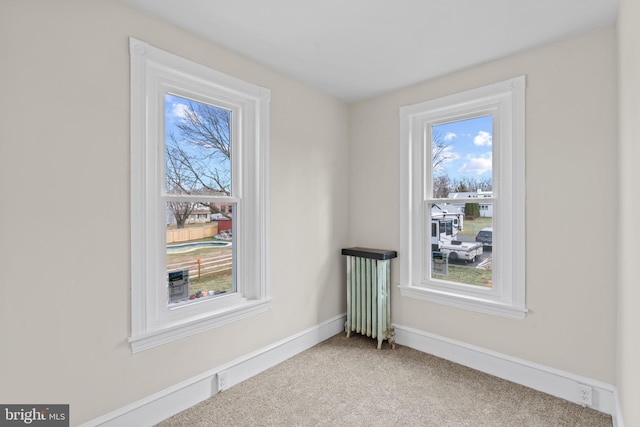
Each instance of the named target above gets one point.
<point>199,150</point>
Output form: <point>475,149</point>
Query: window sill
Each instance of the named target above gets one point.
<point>230,314</point>
<point>466,302</point>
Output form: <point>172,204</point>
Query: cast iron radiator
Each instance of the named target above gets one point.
<point>368,302</point>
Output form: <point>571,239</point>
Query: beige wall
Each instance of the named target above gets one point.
<point>628,371</point>
<point>571,143</point>
<point>64,143</point>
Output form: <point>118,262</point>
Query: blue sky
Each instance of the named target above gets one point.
<point>470,148</point>
<point>175,108</point>
<point>469,151</point>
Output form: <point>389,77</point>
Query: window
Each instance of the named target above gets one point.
<point>199,150</point>
<point>462,164</point>
<point>198,173</point>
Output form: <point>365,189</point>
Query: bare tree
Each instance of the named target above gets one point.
<point>197,160</point>
<point>208,127</point>
<point>441,186</point>
<point>485,184</point>
<point>181,212</point>
<point>466,184</point>
<point>440,152</point>
<point>204,141</point>
<point>462,185</point>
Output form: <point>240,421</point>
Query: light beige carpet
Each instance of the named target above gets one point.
<point>348,382</point>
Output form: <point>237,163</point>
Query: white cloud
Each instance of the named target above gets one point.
<point>450,136</point>
<point>477,165</point>
<point>449,155</point>
<point>446,156</point>
<point>483,139</point>
<point>179,110</point>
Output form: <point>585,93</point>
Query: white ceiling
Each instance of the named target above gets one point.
<point>356,49</point>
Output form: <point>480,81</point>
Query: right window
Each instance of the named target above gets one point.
<point>462,199</point>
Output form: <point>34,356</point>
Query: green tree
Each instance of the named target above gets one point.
<point>472,210</point>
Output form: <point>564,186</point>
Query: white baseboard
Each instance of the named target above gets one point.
<point>164,404</point>
<point>538,377</point>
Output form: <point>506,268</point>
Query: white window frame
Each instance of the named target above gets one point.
<point>154,73</point>
<point>505,101</point>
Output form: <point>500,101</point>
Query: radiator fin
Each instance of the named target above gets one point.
<point>368,302</point>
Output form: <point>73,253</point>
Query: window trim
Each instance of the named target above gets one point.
<point>155,72</point>
<point>507,100</point>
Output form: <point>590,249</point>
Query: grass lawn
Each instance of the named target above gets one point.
<point>467,275</point>
<point>472,226</point>
<point>176,257</point>
<point>219,281</point>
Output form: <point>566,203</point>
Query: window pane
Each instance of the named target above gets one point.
<point>197,147</point>
<point>461,245</point>
<point>462,157</point>
<point>461,231</point>
<point>200,254</point>
<point>199,235</point>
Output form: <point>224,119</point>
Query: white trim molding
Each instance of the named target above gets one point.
<point>538,377</point>
<point>505,103</point>
<point>155,74</point>
<point>168,402</point>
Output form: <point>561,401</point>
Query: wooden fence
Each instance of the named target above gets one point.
<point>191,233</point>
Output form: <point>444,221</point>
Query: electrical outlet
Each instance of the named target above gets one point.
<point>585,395</point>
<point>223,380</point>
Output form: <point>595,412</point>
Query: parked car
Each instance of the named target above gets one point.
<point>485,236</point>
